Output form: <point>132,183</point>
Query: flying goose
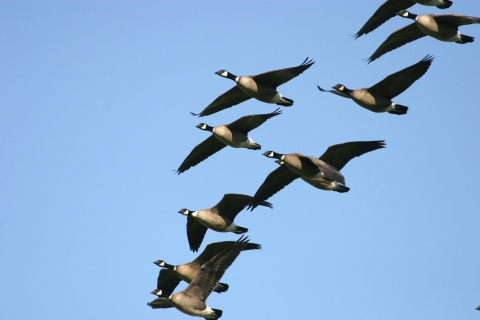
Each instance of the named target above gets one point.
<point>219,218</point>
<point>170,275</point>
<point>378,98</point>
<point>234,135</point>
<point>322,173</point>
<point>262,87</point>
<point>390,8</point>
<point>443,27</point>
<point>192,300</point>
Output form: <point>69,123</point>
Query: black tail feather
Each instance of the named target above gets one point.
<point>465,39</point>
<point>446,4</point>
<point>399,109</point>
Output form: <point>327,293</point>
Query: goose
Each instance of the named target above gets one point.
<point>192,300</point>
<point>378,98</point>
<point>219,218</point>
<point>322,173</point>
<point>171,275</point>
<point>443,27</point>
<point>390,8</point>
<point>262,87</point>
<point>234,135</point>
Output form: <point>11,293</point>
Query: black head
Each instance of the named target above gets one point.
<point>339,87</point>
<point>204,126</point>
<point>271,154</point>
<point>185,212</point>
<point>222,73</point>
<point>159,263</point>
<point>403,13</point>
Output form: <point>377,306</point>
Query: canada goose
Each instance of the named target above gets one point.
<point>322,173</point>
<point>192,300</point>
<point>219,218</point>
<point>378,98</point>
<point>443,27</point>
<point>262,87</point>
<point>234,135</point>
<point>390,8</point>
<point>170,275</point>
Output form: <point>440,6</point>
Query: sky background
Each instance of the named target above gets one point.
<point>94,119</point>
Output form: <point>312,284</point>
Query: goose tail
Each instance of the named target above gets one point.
<point>398,109</point>
<point>465,39</point>
<point>445,4</point>
<point>285,102</point>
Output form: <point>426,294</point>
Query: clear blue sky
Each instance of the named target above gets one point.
<point>94,117</point>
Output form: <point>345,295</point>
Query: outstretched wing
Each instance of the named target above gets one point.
<point>339,155</point>
<point>195,233</point>
<point>398,82</point>
<point>247,123</point>
<point>167,281</point>
<point>212,271</point>
<point>228,99</point>
<point>232,203</point>
<point>201,152</point>
<point>385,12</point>
<point>456,19</point>
<point>275,181</point>
<point>215,248</point>
<point>397,39</point>
<point>275,78</point>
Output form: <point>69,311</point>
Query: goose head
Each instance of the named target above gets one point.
<point>204,126</point>
<point>272,154</point>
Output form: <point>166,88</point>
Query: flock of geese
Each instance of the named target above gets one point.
<point>204,273</point>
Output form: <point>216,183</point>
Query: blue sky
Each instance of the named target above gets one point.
<point>94,118</point>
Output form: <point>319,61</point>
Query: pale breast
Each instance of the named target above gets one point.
<point>223,134</point>
<point>437,30</point>
<point>212,221</point>
<point>188,305</point>
<point>257,90</point>
<point>371,102</point>
<point>186,272</point>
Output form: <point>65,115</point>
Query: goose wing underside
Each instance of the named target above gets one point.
<point>216,247</point>
<point>396,83</point>
<point>213,270</point>
<point>397,39</point>
<point>247,123</point>
<point>231,204</point>
<point>201,152</point>
<point>456,19</point>
<point>195,233</point>
<point>339,155</point>
<point>228,99</point>
<point>167,281</point>
<point>277,77</point>
<point>275,181</point>
<point>386,11</point>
